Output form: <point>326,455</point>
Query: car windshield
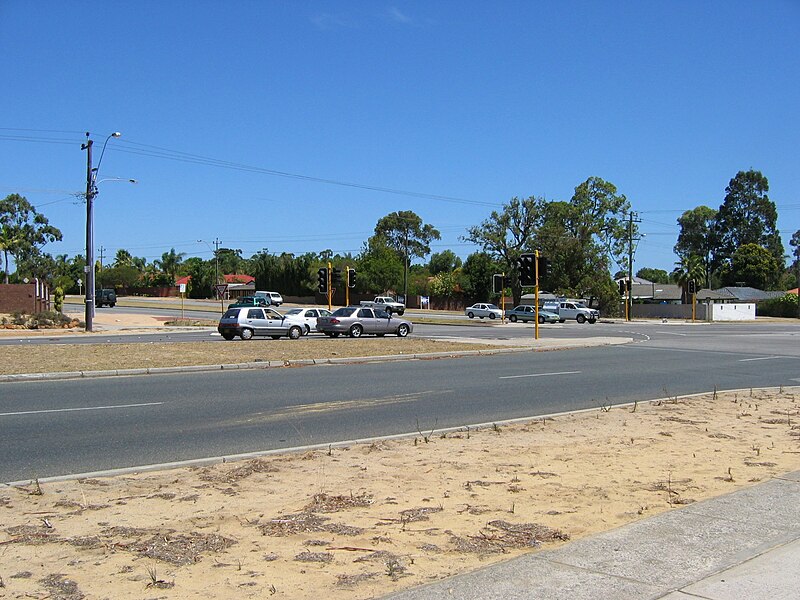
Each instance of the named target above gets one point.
<point>231,313</point>
<point>580,305</point>
<point>294,311</point>
<point>345,311</point>
<point>492,306</point>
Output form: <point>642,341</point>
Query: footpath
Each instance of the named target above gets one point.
<point>741,546</point>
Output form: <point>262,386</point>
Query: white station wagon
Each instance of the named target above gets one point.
<point>482,310</point>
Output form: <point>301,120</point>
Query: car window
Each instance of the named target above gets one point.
<point>382,314</point>
<point>311,313</point>
<point>273,314</point>
<point>364,313</point>
<point>295,311</point>
<point>231,313</point>
<point>492,307</point>
<point>324,313</point>
<point>255,313</point>
<point>345,311</point>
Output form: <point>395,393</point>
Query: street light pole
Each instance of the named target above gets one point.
<point>91,192</point>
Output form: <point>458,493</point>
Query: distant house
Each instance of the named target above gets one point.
<point>649,292</point>
<point>747,294</point>
<point>240,285</point>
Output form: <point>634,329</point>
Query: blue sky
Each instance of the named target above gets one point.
<point>248,121</point>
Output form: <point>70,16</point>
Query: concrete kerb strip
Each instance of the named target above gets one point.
<point>295,362</point>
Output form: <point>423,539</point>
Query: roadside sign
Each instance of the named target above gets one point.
<point>221,288</point>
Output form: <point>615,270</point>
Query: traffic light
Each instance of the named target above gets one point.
<point>336,276</point>
<point>692,286</point>
<point>351,278</point>
<point>544,266</point>
<point>622,287</point>
<point>525,265</point>
<point>322,278</point>
<point>497,284</point>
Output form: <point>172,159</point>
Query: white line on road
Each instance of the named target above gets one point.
<point>759,358</point>
<point>58,410</point>
<point>539,374</point>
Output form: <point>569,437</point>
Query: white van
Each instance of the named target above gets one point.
<point>274,298</point>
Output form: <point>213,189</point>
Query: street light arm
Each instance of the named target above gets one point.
<point>96,170</point>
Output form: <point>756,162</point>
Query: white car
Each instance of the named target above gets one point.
<point>308,316</point>
<point>483,310</point>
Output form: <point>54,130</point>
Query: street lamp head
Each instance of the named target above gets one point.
<point>116,134</point>
<point>132,181</point>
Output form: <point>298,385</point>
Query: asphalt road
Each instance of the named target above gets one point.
<point>62,427</point>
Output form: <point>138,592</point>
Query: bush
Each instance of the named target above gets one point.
<point>43,320</point>
<point>785,306</point>
<point>58,299</point>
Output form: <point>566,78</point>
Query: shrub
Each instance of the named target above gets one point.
<point>785,306</point>
<point>58,298</point>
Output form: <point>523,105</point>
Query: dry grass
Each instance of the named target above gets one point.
<point>99,357</point>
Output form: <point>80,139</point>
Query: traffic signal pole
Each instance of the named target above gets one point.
<point>536,296</point>
<point>329,286</point>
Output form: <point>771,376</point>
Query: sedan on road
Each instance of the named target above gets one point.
<point>482,310</point>
<point>360,320</point>
<point>308,316</point>
<point>525,313</point>
<point>247,322</point>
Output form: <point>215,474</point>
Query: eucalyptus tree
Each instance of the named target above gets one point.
<point>696,237</point>
<point>23,232</point>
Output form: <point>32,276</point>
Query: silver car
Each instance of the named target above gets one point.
<point>360,320</point>
<point>247,322</point>
<point>525,313</point>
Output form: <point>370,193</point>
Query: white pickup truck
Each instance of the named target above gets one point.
<point>573,310</point>
<point>386,303</point>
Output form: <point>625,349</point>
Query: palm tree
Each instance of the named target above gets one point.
<point>122,258</point>
<point>686,270</point>
<point>169,263</point>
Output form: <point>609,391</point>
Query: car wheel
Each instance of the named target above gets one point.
<point>228,336</point>
<point>580,319</point>
<point>561,320</point>
<point>402,331</point>
<point>471,315</point>
<point>592,321</point>
<point>541,320</point>
<point>492,316</point>
<point>112,305</point>
<point>513,318</point>
<point>295,332</point>
<point>246,334</point>
<point>401,311</point>
<point>356,331</point>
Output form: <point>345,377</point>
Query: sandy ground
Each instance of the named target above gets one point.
<point>362,521</point>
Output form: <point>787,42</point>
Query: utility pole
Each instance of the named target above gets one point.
<point>217,242</point>
<point>629,297</point>
<point>89,300</point>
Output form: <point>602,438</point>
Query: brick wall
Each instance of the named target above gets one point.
<point>24,297</point>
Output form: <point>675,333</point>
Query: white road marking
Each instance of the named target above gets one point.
<point>539,374</point>
<point>60,410</point>
<point>760,358</point>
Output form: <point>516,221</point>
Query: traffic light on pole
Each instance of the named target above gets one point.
<point>497,283</point>
<point>692,286</point>
<point>622,287</point>
<point>527,277</point>
<point>322,278</point>
<point>544,266</point>
<point>336,276</point>
<point>351,278</point>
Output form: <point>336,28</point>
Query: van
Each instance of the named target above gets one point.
<point>273,298</point>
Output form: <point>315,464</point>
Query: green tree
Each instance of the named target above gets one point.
<point>443,262</point>
<point>476,276</point>
<point>507,234</point>
<point>443,284</point>
<point>696,237</point>
<point>230,261</point>
<point>380,269</point>
<point>754,266</point>
<point>654,275</point>
<point>746,216</point>
<point>170,263</point>
<point>686,270</point>
<point>23,232</point>
<point>123,257</point>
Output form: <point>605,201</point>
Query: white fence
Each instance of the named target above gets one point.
<point>733,312</point>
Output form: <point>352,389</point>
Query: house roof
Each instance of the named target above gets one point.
<point>185,279</point>
<point>749,294</point>
<point>662,292</point>
<point>239,278</point>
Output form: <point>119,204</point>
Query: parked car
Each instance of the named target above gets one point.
<point>525,312</point>
<point>483,310</point>
<point>573,310</point>
<point>105,298</point>
<point>308,316</point>
<point>359,320</point>
<point>273,298</point>
<point>249,321</point>
<point>250,301</point>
